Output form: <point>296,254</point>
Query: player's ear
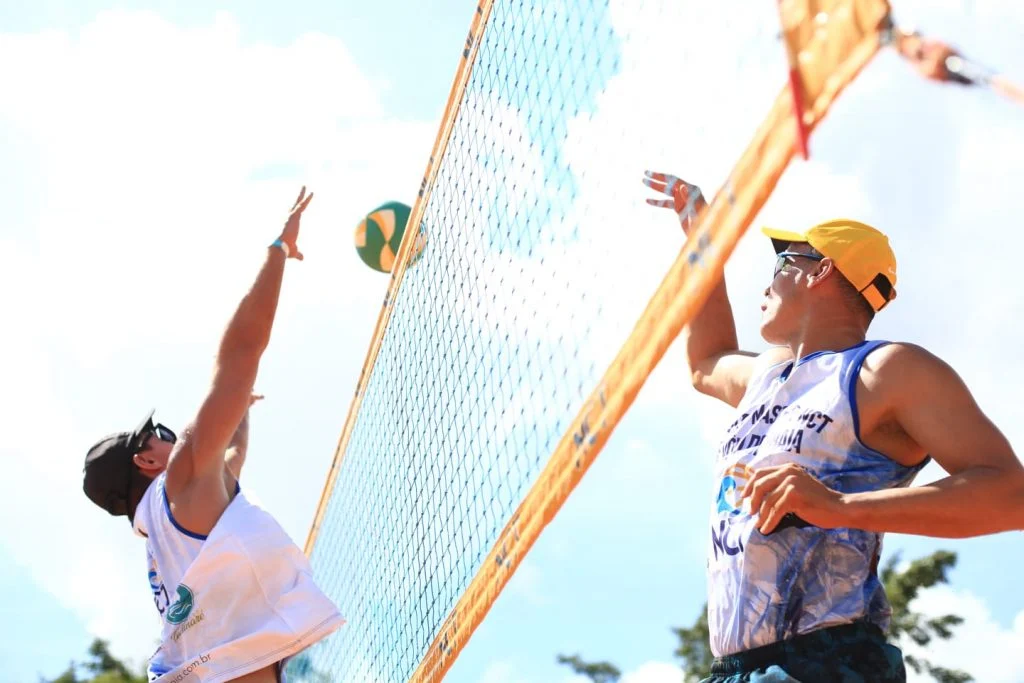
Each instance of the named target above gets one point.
<point>825,269</point>
<point>146,461</point>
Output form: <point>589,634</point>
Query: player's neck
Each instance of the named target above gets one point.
<point>832,333</point>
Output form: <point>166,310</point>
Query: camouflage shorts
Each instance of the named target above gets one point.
<point>851,653</point>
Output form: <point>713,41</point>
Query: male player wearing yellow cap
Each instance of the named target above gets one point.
<point>830,431</point>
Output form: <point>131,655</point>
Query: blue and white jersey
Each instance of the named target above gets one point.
<point>762,589</point>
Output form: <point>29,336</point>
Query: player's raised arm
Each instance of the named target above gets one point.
<point>938,61</point>
<point>201,451</point>
<point>718,367</point>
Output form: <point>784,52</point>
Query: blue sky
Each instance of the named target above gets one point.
<point>149,150</point>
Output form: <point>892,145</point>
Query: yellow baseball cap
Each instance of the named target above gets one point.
<point>861,253</point>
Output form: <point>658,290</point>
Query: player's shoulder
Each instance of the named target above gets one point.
<point>775,355</point>
<point>901,354</point>
<point>762,363</point>
<point>905,366</point>
<point>181,466</point>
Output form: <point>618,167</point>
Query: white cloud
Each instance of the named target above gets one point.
<point>688,94</point>
<point>150,161</point>
<point>979,633</point>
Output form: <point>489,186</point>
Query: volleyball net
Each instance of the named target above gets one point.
<point>510,347</point>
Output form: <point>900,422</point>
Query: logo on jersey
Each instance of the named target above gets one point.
<point>160,597</point>
<point>727,537</point>
<point>729,490</point>
<point>182,607</point>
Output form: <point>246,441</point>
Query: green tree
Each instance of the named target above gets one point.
<point>695,648</point>
<point>100,667</point>
<point>67,677</point>
<point>900,586</point>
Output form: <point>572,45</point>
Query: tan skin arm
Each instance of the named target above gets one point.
<point>234,457</point>
<point>923,403</point>
<point>1008,89</point>
<point>718,368</point>
<point>198,477</point>
<point>929,58</point>
<point>912,404</point>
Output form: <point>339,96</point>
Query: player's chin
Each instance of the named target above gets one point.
<point>770,329</point>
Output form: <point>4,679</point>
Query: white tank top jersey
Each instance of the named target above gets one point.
<point>236,601</point>
<point>762,589</point>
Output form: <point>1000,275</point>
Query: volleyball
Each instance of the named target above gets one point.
<point>379,235</point>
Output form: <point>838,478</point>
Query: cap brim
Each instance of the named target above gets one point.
<point>144,424</point>
<point>780,238</point>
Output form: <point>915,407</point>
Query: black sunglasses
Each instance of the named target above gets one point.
<point>149,430</point>
<point>137,445</point>
<point>783,257</point>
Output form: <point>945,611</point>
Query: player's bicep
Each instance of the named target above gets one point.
<point>936,409</point>
<point>209,435</point>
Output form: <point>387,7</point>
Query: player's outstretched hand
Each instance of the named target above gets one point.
<point>290,234</point>
<point>685,198</point>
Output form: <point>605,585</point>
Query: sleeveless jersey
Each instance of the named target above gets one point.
<point>230,603</point>
<point>763,589</point>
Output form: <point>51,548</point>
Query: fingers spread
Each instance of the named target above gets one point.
<point>655,185</point>
<point>661,182</point>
